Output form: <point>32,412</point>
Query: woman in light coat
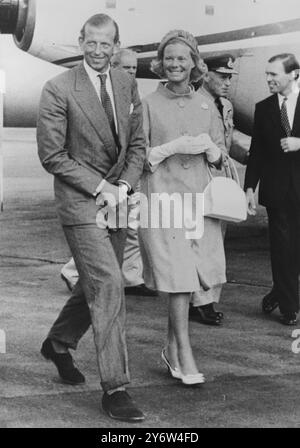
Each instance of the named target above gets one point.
<point>184,137</point>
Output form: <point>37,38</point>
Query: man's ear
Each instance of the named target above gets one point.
<point>296,73</point>
<point>80,42</point>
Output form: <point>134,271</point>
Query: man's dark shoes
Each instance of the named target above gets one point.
<point>269,303</point>
<point>288,319</point>
<point>210,310</point>
<point>203,315</point>
<point>64,363</point>
<point>139,290</point>
<point>120,406</point>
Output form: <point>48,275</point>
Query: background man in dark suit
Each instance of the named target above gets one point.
<point>90,138</point>
<point>275,162</point>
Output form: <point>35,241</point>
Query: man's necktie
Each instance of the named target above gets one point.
<point>284,118</point>
<point>219,106</point>
<point>107,106</point>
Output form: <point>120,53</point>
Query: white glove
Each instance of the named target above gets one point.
<point>213,153</point>
<point>190,145</point>
<point>185,144</point>
<point>199,144</point>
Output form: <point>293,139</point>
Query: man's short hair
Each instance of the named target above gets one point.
<point>100,20</point>
<point>289,62</point>
<point>117,57</point>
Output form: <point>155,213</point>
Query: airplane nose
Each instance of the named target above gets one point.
<point>8,16</point>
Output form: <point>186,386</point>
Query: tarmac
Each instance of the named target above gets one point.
<point>252,373</point>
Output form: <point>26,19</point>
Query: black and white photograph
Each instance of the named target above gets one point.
<point>149,216</point>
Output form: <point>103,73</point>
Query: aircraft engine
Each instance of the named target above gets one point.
<point>17,17</point>
<point>40,28</point>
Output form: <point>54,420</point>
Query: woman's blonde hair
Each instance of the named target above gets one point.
<point>180,36</point>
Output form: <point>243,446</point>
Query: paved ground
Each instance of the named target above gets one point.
<point>253,375</point>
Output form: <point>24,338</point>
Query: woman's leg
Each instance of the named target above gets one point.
<point>179,349</point>
<point>171,346</point>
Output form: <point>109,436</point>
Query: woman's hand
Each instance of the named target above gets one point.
<point>213,153</point>
<point>186,144</point>
<point>192,145</point>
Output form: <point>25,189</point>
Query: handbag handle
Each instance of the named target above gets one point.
<point>230,169</point>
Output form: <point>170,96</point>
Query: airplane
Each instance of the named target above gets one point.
<point>252,30</point>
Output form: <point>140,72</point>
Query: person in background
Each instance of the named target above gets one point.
<point>132,268</point>
<point>215,86</point>
<point>274,162</point>
<point>183,138</point>
<point>125,59</point>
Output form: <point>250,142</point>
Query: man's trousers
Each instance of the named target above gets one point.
<point>284,232</point>
<point>97,299</point>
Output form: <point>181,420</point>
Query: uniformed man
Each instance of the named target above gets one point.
<point>215,86</point>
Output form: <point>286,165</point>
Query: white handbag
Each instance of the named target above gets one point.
<point>224,198</point>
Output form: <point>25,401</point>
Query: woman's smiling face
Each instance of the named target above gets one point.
<point>178,63</point>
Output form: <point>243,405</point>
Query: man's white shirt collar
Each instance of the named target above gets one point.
<point>93,74</point>
<point>295,92</point>
<point>95,80</point>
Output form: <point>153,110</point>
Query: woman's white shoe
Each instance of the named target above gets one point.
<point>190,379</point>
<point>175,373</point>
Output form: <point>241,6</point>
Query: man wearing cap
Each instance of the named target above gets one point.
<point>215,86</point>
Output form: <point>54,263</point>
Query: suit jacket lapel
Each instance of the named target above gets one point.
<point>121,105</point>
<point>296,123</point>
<point>88,101</point>
<point>274,112</point>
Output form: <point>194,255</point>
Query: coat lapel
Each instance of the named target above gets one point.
<point>274,113</point>
<point>88,101</point>
<point>296,123</point>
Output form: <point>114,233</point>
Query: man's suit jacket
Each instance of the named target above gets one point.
<point>76,145</point>
<point>268,164</point>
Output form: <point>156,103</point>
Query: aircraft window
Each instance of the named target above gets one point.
<point>209,10</point>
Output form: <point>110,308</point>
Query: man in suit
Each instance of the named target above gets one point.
<point>132,268</point>
<point>215,86</point>
<point>90,138</point>
<point>274,161</point>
